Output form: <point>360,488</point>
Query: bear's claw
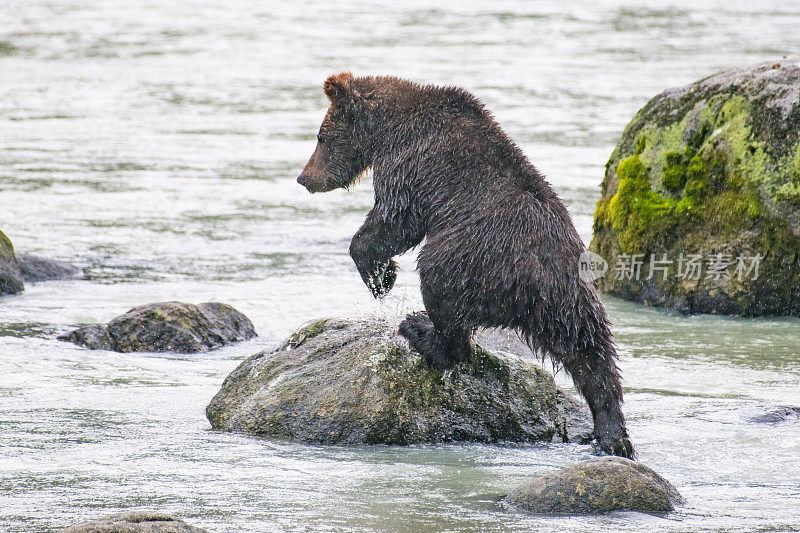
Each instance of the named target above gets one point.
<point>381,280</point>
<point>620,447</point>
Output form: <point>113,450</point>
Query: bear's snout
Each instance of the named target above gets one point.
<point>311,184</point>
<point>314,183</point>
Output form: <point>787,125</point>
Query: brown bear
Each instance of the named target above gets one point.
<point>500,247</point>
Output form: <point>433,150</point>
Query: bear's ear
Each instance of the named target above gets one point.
<point>339,89</point>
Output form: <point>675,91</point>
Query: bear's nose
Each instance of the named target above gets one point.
<point>302,180</point>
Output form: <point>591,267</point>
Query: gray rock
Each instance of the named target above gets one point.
<point>135,522</point>
<point>34,268</point>
<point>777,415</point>
<point>353,382</point>
<point>711,169</point>
<point>15,269</point>
<point>578,419</point>
<point>596,486</point>
<point>94,336</point>
<point>167,327</point>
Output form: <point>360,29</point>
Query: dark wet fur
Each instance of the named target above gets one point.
<point>500,248</point>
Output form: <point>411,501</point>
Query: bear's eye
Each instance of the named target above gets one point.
<point>320,138</point>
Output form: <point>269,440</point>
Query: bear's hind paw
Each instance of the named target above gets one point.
<point>417,328</point>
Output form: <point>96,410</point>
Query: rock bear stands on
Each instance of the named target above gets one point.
<point>500,248</point>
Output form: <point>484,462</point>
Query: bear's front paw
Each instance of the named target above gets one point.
<point>620,447</point>
<point>381,280</point>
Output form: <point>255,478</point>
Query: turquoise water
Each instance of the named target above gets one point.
<point>157,144</point>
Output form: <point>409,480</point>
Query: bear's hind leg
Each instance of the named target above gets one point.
<point>596,377</point>
<point>442,347</point>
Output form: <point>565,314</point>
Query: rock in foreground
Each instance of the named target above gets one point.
<point>597,486</point>
<point>167,327</point>
<point>700,205</point>
<point>353,382</point>
<point>135,522</point>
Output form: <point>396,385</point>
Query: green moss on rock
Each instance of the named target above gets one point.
<point>11,281</point>
<point>636,213</point>
<point>789,193</point>
<point>6,248</point>
<point>674,172</point>
<point>306,332</point>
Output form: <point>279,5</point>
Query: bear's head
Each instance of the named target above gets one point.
<point>341,155</point>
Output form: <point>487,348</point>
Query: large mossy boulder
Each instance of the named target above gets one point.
<point>708,176</point>
<point>134,522</point>
<point>596,486</point>
<point>353,382</point>
<point>167,327</point>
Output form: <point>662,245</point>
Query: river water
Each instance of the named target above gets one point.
<point>157,144</point>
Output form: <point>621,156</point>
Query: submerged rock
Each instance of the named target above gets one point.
<point>596,486</point>
<point>135,522</point>
<point>167,327</point>
<point>777,415</point>
<point>700,205</point>
<point>15,269</point>
<point>34,268</point>
<point>352,382</point>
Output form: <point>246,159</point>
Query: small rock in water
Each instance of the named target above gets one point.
<point>34,268</point>
<point>777,415</point>
<point>167,327</point>
<point>354,382</point>
<point>597,486</point>
<point>15,269</point>
<point>135,522</point>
